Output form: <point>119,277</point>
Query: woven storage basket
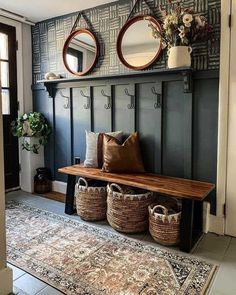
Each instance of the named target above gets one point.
<point>91,202</point>
<point>164,224</point>
<point>127,212</point>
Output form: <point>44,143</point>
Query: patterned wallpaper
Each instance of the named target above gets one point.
<point>49,36</point>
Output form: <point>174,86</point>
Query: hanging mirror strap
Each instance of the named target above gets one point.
<point>135,4</point>
<point>81,14</point>
<point>76,23</point>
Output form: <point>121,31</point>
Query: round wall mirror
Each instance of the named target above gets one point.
<point>80,52</point>
<point>136,47</point>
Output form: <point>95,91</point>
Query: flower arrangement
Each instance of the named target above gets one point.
<point>31,125</point>
<point>181,26</point>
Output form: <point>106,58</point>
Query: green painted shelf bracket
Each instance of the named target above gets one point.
<point>187,81</point>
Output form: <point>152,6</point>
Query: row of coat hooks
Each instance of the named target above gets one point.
<point>108,105</point>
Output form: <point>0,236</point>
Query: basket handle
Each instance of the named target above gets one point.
<point>84,181</point>
<point>112,185</point>
<point>164,209</point>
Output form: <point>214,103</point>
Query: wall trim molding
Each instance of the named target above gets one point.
<point>6,277</point>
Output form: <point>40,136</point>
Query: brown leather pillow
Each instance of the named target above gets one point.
<point>124,157</point>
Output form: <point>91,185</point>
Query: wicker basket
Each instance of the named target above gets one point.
<point>164,225</point>
<point>127,212</point>
<point>91,202</point>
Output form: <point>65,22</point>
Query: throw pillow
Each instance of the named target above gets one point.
<point>94,147</point>
<point>124,157</point>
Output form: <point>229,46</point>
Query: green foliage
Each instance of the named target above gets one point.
<point>32,125</point>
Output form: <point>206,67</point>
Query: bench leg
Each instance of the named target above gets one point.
<point>191,224</point>
<point>70,194</point>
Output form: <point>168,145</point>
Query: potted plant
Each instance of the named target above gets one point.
<point>33,125</point>
<point>181,27</point>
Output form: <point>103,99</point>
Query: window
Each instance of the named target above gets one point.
<point>4,68</point>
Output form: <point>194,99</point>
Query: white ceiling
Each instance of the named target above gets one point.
<point>38,10</point>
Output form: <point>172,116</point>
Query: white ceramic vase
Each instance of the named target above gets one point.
<point>179,57</point>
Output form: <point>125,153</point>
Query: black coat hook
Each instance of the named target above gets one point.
<point>131,105</point>
<point>67,104</point>
<point>157,104</point>
<point>86,106</point>
<point>108,105</point>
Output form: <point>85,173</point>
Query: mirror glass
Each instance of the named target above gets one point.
<point>80,52</point>
<point>136,46</point>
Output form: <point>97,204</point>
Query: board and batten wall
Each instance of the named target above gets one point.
<point>181,133</point>
<point>178,137</point>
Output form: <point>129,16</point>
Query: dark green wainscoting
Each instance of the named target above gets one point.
<point>176,114</point>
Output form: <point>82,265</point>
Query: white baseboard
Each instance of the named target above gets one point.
<point>206,213</point>
<point>212,223</point>
<point>216,224</point>
<point>6,279</point>
<point>59,186</point>
<point>12,189</point>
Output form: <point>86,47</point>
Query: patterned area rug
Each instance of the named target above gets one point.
<point>81,259</point>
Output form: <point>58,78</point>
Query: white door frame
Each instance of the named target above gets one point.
<point>24,73</point>
<point>6,281</point>
<point>230,220</point>
<point>217,223</point>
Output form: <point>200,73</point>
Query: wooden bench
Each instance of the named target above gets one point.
<point>191,192</point>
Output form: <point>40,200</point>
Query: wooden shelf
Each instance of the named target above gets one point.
<point>124,75</point>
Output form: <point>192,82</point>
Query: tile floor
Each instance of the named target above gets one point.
<point>217,249</point>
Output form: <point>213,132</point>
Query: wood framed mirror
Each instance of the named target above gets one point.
<point>137,48</point>
<point>80,52</point>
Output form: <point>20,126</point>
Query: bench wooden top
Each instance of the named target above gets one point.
<point>176,187</point>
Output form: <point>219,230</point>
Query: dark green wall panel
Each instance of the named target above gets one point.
<point>124,108</point>
<point>173,129</point>
<point>62,132</point>
<point>149,125</point>
<point>81,113</point>
<point>43,103</point>
<point>102,109</point>
<point>205,131</point>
